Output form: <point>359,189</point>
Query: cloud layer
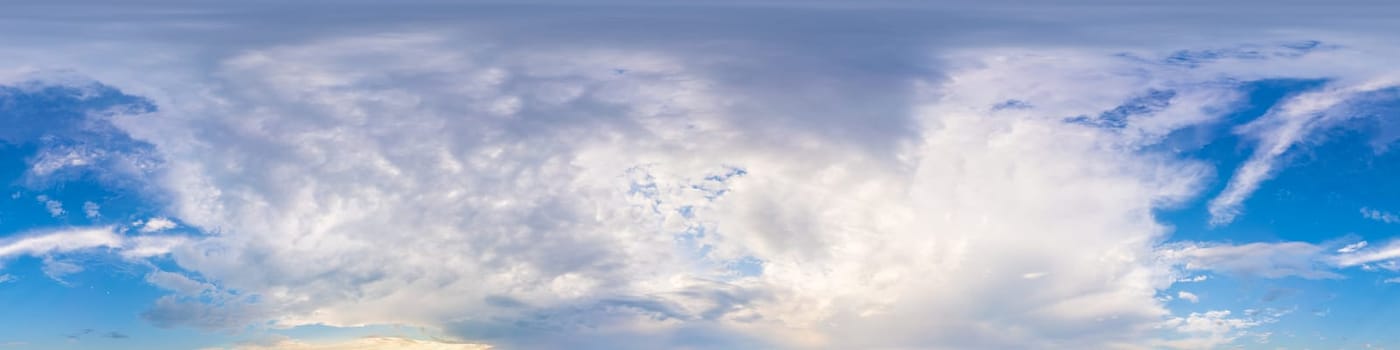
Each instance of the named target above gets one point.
<point>587,196</point>
<point>668,196</point>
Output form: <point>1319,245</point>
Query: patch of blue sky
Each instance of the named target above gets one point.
<point>99,306</point>
<point>35,110</point>
<point>1216,144</point>
<point>746,266</point>
<point>1315,197</point>
<point>107,297</point>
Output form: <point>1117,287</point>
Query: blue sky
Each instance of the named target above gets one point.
<point>734,175</point>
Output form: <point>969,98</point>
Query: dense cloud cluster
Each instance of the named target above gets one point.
<point>637,197</point>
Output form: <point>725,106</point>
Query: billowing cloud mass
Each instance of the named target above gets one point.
<point>638,197</point>
<point>540,198</point>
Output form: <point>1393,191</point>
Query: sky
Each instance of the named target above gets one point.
<point>674,175</point>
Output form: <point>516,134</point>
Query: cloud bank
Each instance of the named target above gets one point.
<point>548,196</point>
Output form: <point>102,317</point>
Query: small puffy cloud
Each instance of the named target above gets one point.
<point>1188,296</point>
<point>1378,215</point>
<point>5,277</point>
<point>157,224</point>
<point>92,210</point>
<point>1214,329</point>
<point>54,207</point>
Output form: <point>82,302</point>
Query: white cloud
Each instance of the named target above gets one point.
<point>49,243</point>
<point>151,245</point>
<point>1391,280</point>
<point>54,159</point>
<point>56,269</point>
<point>1381,254</point>
<point>1270,260</point>
<point>1382,216</point>
<point>1192,279</point>
<point>157,225</point>
<point>54,207</point>
<point>1214,329</point>
<point>5,277</point>
<point>59,241</point>
<point>1188,296</point>
<point>1352,248</point>
<point>92,210</point>
<point>1282,129</point>
<point>180,284</point>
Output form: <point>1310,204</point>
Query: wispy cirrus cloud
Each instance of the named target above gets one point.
<point>50,244</point>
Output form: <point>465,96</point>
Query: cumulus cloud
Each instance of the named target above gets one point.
<point>1188,296</point>
<point>92,210</point>
<point>1213,329</point>
<point>582,197</point>
<point>157,225</point>
<point>568,195</point>
<point>54,207</point>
